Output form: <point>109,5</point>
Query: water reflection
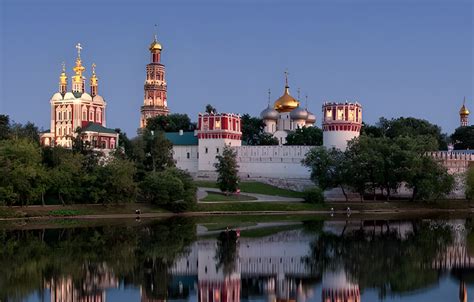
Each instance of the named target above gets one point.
<point>312,261</point>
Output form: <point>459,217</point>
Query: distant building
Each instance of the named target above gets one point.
<point>286,115</point>
<point>464,115</point>
<point>155,102</point>
<point>78,109</point>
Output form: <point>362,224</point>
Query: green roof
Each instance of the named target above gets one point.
<point>93,127</point>
<point>186,139</point>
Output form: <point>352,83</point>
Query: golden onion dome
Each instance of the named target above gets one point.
<point>464,110</point>
<point>63,78</point>
<point>155,45</point>
<point>94,79</point>
<point>286,102</point>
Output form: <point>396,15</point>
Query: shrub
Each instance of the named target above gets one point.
<point>313,195</point>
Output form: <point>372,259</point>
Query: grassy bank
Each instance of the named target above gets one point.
<point>217,196</point>
<point>255,187</point>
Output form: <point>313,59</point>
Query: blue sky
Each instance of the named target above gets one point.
<point>397,58</point>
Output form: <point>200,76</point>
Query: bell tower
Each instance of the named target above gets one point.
<point>155,101</point>
<point>464,114</point>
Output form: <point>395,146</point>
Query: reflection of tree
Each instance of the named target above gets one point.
<point>136,255</point>
<point>226,253</point>
<point>384,260</point>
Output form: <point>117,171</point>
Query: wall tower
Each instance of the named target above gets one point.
<point>464,114</point>
<point>341,123</point>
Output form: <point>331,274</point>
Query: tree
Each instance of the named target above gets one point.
<point>463,138</point>
<point>328,168</point>
<point>4,127</point>
<point>20,167</point>
<point>67,177</point>
<point>158,151</point>
<point>253,132</point>
<point>210,109</point>
<point>170,123</point>
<point>28,131</point>
<point>115,180</point>
<point>306,136</point>
<point>227,170</point>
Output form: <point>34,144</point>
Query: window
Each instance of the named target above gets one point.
<point>187,155</point>
<point>59,116</point>
<point>217,150</point>
<point>206,150</point>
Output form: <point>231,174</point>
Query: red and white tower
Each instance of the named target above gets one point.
<point>341,123</point>
<point>215,131</point>
<point>155,101</point>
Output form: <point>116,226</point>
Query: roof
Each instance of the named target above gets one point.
<point>185,139</point>
<point>94,127</point>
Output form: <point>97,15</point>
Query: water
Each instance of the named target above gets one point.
<point>198,260</point>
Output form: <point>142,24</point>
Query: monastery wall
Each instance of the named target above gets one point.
<point>186,158</point>
<point>272,161</point>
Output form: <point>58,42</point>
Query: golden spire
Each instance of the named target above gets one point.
<point>78,69</point>
<point>464,110</point>
<point>94,79</point>
<point>63,76</point>
<point>155,46</point>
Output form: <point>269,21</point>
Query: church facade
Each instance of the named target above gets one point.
<point>76,109</point>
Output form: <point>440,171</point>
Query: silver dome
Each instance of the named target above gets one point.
<point>311,119</point>
<point>269,114</point>
<point>299,114</point>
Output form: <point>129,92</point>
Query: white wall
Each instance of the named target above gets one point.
<point>338,139</point>
<point>180,155</point>
<point>209,149</point>
<point>272,161</point>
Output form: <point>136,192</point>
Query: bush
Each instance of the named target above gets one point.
<point>469,191</point>
<point>313,195</point>
<point>172,189</point>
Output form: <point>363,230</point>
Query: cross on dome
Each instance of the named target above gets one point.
<point>79,48</point>
<point>286,77</point>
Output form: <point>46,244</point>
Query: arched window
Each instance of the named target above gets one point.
<point>59,115</point>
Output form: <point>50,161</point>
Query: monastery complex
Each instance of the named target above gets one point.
<point>196,151</point>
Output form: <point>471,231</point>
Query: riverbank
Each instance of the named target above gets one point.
<point>339,209</point>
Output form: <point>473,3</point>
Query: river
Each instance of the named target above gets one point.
<point>280,259</point>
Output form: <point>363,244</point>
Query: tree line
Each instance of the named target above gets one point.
<point>140,169</point>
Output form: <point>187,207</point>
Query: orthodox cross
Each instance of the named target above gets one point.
<point>64,66</point>
<point>286,76</point>
<point>93,68</point>
<point>79,48</point>
<point>269,96</point>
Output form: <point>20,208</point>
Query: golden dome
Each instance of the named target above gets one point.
<point>63,76</point>
<point>155,46</point>
<point>286,102</point>
<point>463,110</point>
<point>94,79</point>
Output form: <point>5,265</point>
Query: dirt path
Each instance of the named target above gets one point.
<point>259,197</point>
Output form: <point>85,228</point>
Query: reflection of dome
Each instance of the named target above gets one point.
<point>299,114</point>
<point>464,110</point>
<point>286,102</point>
<point>57,97</point>
<point>269,114</point>
<point>97,99</point>
<point>311,119</point>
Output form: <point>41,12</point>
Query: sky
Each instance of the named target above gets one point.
<point>395,57</point>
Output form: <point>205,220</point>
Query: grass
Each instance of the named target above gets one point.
<point>255,187</point>
<point>259,206</point>
<point>217,196</point>
<point>68,212</point>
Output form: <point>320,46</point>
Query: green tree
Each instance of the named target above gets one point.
<point>115,179</point>
<point>170,123</point>
<point>210,109</point>
<point>328,168</point>
<point>463,138</point>
<point>20,166</point>
<point>28,131</point>
<point>67,176</point>
<point>4,127</point>
<point>227,170</point>
<point>306,136</point>
<point>253,132</point>
<point>158,151</point>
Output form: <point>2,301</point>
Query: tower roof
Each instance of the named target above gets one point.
<point>464,110</point>
<point>286,102</point>
<point>155,45</point>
